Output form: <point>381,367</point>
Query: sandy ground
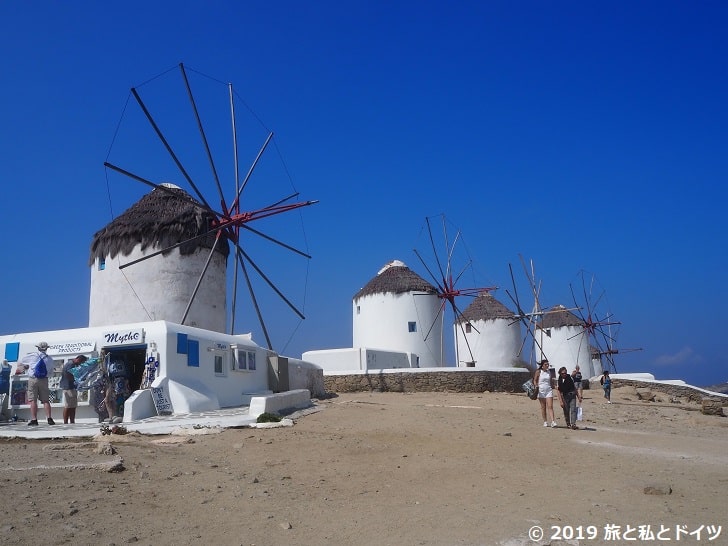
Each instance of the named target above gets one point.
<point>385,469</point>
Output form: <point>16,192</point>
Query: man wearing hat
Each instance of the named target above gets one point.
<point>38,365</point>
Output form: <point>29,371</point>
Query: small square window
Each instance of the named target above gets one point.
<point>358,309</point>
<point>102,264</point>
<point>219,369</point>
<point>243,360</point>
<point>411,326</point>
<point>468,327</point>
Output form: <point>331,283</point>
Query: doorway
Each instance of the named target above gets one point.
<point>134,358</point>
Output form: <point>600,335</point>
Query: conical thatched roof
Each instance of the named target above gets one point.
<point>559,316</point>
<point>158,220</point>
<point>395,278</point>
<point>485,307</point>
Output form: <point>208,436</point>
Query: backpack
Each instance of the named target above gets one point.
<point>41,370</point>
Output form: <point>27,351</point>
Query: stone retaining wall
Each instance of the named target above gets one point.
<point>469,380</point>
<point>454,380</point>
<point>683,391</point>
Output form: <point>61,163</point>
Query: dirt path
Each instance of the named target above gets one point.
<point>380,468</point>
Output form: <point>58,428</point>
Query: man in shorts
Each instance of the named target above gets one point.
<point>38,365</point>
<point>70,394</point>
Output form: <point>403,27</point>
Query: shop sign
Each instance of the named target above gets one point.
<point>124,337</point>
<point>70,347</point>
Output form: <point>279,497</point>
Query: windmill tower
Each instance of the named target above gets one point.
<point>446,252</point>
<point>561,337</point>
<point>598,322</point>
<point>488,331</point>
<point>178,245</point>
<point>159,287</point>
<point>394,310</point>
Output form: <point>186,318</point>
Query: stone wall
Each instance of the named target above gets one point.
<point>453,380</point>
<point>473,380</point>
<point>683,391</point>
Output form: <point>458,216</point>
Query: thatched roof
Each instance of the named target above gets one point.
<point>394,278</point>
<point>158,220</point>
<point>559,316</point>
<point>485,307</point>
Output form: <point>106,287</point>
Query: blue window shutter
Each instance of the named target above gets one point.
<point>182,344</point>
<point>12,351</point>
<point>193,353</point>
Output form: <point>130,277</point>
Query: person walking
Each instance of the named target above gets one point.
<point>567,397</point>
<point>578,378</point>
<point>542,379</point>
<point>70,394</point>
<point>117,388</point>
<point>606,382</point>
<point>37,365</point>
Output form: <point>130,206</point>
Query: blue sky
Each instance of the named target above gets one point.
<point>580,135</point>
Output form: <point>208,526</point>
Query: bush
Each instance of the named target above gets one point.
<point>268,418</point>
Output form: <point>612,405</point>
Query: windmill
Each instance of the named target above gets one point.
<point>550,329</point>
<point>160,147</point>
<point>599,326</point>
<point>447,262</point>
<point>529,319</point>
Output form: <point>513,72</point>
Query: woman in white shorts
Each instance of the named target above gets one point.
<point>542,379</point>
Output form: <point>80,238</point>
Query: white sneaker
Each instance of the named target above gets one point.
<point>545,423</point>
<point>553,424</point>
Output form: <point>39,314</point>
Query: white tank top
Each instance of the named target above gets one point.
<point>544,381</point>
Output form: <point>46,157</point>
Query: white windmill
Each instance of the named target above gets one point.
<point>599,328</point>
<point>488,332</point>
<point>166,257</point>
<point>446,263</point>
<point>394,311</point>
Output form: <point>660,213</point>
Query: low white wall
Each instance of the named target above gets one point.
<point>139,406</point>
<point>248,396</point>
<point>379,359</point>
<point>335,360</point>
<point>306,375</point>
<point>271,403</point>
<point>360,358</point>
<point>191,396</point>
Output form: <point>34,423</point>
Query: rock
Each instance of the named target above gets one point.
<point>657,490</point>
<point>712,407</point>
<point>646,395</point>
<point>105,449</point>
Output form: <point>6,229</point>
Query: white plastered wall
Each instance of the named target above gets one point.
<point>381,320</point>
<point>159,288</point>
<point>494,343</point>
<point>566,346</point>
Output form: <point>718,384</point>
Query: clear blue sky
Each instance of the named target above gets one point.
<point>581,135</point>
